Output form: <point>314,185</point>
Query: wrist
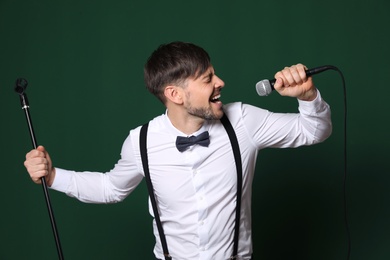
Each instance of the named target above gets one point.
<point>309,95</point>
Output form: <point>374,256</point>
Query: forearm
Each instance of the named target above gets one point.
<point>282,130</point>
<point>316,118</point>
<point>96,187</point>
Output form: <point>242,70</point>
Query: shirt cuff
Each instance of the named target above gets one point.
<point>314,106</point>
<point>62,180</point>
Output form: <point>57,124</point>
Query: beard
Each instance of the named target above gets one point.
<point>204,113</point>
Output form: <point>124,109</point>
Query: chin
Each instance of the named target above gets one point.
<point>206,113</point>
<point>215,116</point>
<point>220,114</point>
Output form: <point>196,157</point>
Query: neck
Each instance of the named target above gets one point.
<point>187,124</point>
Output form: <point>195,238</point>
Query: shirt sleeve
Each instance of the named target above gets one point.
<point>281,130</point>
<point>97,187</point>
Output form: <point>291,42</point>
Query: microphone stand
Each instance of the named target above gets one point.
<point>20,87</point>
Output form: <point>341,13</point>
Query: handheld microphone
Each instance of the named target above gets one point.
<point>265,87</point>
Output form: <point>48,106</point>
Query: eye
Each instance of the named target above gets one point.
<point>209,78</point>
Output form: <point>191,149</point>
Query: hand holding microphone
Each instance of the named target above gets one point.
<point>292,81</point>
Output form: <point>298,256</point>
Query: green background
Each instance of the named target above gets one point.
<point>84,64</point>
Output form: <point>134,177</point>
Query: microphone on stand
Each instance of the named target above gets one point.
<point>20,87</point>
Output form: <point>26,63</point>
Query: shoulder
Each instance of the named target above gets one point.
<point>233,110</point>
<point>238,111</point>
<point>131,145</point>
<point>154,124</point>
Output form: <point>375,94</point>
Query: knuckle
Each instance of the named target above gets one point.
<point>42,160</point>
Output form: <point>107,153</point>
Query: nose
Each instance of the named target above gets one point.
<point>218,82</point>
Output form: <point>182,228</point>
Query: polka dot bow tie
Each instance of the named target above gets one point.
<point>182,143</point>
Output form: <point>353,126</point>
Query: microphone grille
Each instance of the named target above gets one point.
<point>263,87</point>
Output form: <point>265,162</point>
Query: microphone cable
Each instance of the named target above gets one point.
<point>346,223</point>
<point>265,87</point>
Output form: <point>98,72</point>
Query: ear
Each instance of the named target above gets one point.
<point>174,94</point>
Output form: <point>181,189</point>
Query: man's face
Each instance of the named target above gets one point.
<point>202,96</point>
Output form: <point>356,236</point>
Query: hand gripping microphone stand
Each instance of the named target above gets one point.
<point>20,87</point>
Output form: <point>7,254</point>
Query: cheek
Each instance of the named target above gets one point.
<point>200,97</point>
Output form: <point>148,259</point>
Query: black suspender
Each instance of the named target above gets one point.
<point>237,157</point>
<point>144,157</point>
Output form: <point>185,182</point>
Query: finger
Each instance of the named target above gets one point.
<point>34,153</point>
<point>296,77</point>
<point>287,76</point>
<point>37,171</point>
<point>38,176</point>
<point>36,164</point>
<point>281,76</point>
<point>301,69</point>
<point>278,83</point>
<point>31,162</point>
<point>290,77</point>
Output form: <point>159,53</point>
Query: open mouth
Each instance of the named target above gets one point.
<point>215,98</point>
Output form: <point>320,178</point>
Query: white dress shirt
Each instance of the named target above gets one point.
<point>196,189</point>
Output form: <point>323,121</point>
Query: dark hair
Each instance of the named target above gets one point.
<point>173,63</point>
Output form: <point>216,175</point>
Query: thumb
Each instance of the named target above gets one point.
<point>41,149</point>
<point>50,168</point>
<point>278,83</point>
<point>47,156</point>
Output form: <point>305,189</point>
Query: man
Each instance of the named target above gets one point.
<point>196,187</point>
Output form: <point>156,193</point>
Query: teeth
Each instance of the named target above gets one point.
<point>216,97</point>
